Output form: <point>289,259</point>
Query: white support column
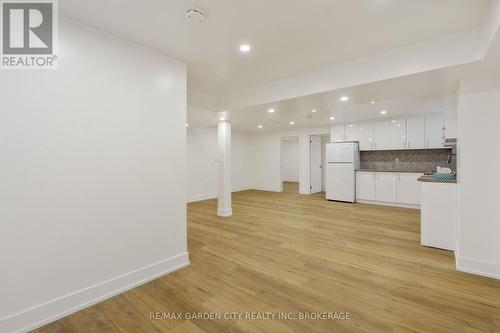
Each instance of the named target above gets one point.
<point>224,169</point>
<point>305,164</point>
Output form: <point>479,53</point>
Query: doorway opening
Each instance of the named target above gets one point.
<point>290,161</point>
<point>318,163</point>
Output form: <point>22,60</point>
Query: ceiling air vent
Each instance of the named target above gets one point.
<point>195,15</point>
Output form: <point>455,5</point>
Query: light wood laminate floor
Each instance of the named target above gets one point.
<point>283,252</point>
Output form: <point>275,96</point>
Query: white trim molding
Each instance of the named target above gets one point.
<point>390,204</point>
<point>203,197</point>
<point>473,266</point>
<point>43,314</point>
<point>224,212</point>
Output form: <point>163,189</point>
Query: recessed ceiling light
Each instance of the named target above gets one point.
<point>332,118</point>
<point>222,118</point>
<point>372,102</point>
<point>383,112</point>
<point>271,110</point>
<point>260,126</point>
<point>393,121</point>
<point>313,111</point>
<point>245,48</point>
<point>187,125</point>
<point>344,98</point>
<point>292,123</point>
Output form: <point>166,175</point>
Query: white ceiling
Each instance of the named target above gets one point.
<point>421,93</point>
<point>411,95</point>
<point>288,36</point>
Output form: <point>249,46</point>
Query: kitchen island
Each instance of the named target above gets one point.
<point>438,212</point>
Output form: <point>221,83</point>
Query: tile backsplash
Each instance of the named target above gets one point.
<point>418,160</point>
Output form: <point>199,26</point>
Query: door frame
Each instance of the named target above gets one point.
<point>310,163</point>
<point>282,140</point>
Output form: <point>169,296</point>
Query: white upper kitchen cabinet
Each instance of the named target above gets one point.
<point>415,133</point>
<point>397,134</point>
<point>352,132</point>
<point>365,136</point>
<point>337,133</point>
<point>408,188</point>
<point>381,135</point>
<point>365,185</point>
<point>386,187</point>
<point>434,131</point>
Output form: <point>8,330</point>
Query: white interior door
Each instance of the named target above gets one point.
<point>316,172</point>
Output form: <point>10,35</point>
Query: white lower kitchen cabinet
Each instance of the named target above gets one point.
<point>408,188</point>
<point>400,189</point>
<point>365,185</point>
<point>386,187</point>
<point>439,215</point>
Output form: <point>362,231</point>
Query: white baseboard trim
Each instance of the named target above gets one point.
<point>204,197</point>
<point>46,313</point>
<point>224,212</point>
<point>473,266</point>
<point>267,189</point>
<point>390,204</point>
<point>241,189</point>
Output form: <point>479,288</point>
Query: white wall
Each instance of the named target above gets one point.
<point>266,159</point>
<point>478,246</point>
<point>202,163</point>
<point>290,159</point>
<point>92,170</point>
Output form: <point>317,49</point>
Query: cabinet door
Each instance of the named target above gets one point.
<point>434,131</point>
<point>415,133</point>
<point>352,132</point>
<point>381,135</point>
<point>365,185</point>
<point>365,136</point>
<point>409,188</point>
<point>397,134</point>
<point>337,133</point>
<point>386,186</point>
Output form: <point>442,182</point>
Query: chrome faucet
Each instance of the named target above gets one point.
<point>450,157</point>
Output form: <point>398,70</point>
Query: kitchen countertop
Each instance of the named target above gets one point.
<point>430,179</point>
<point>391,170</point>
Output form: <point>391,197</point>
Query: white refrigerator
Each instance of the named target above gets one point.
<point>342,162</point>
